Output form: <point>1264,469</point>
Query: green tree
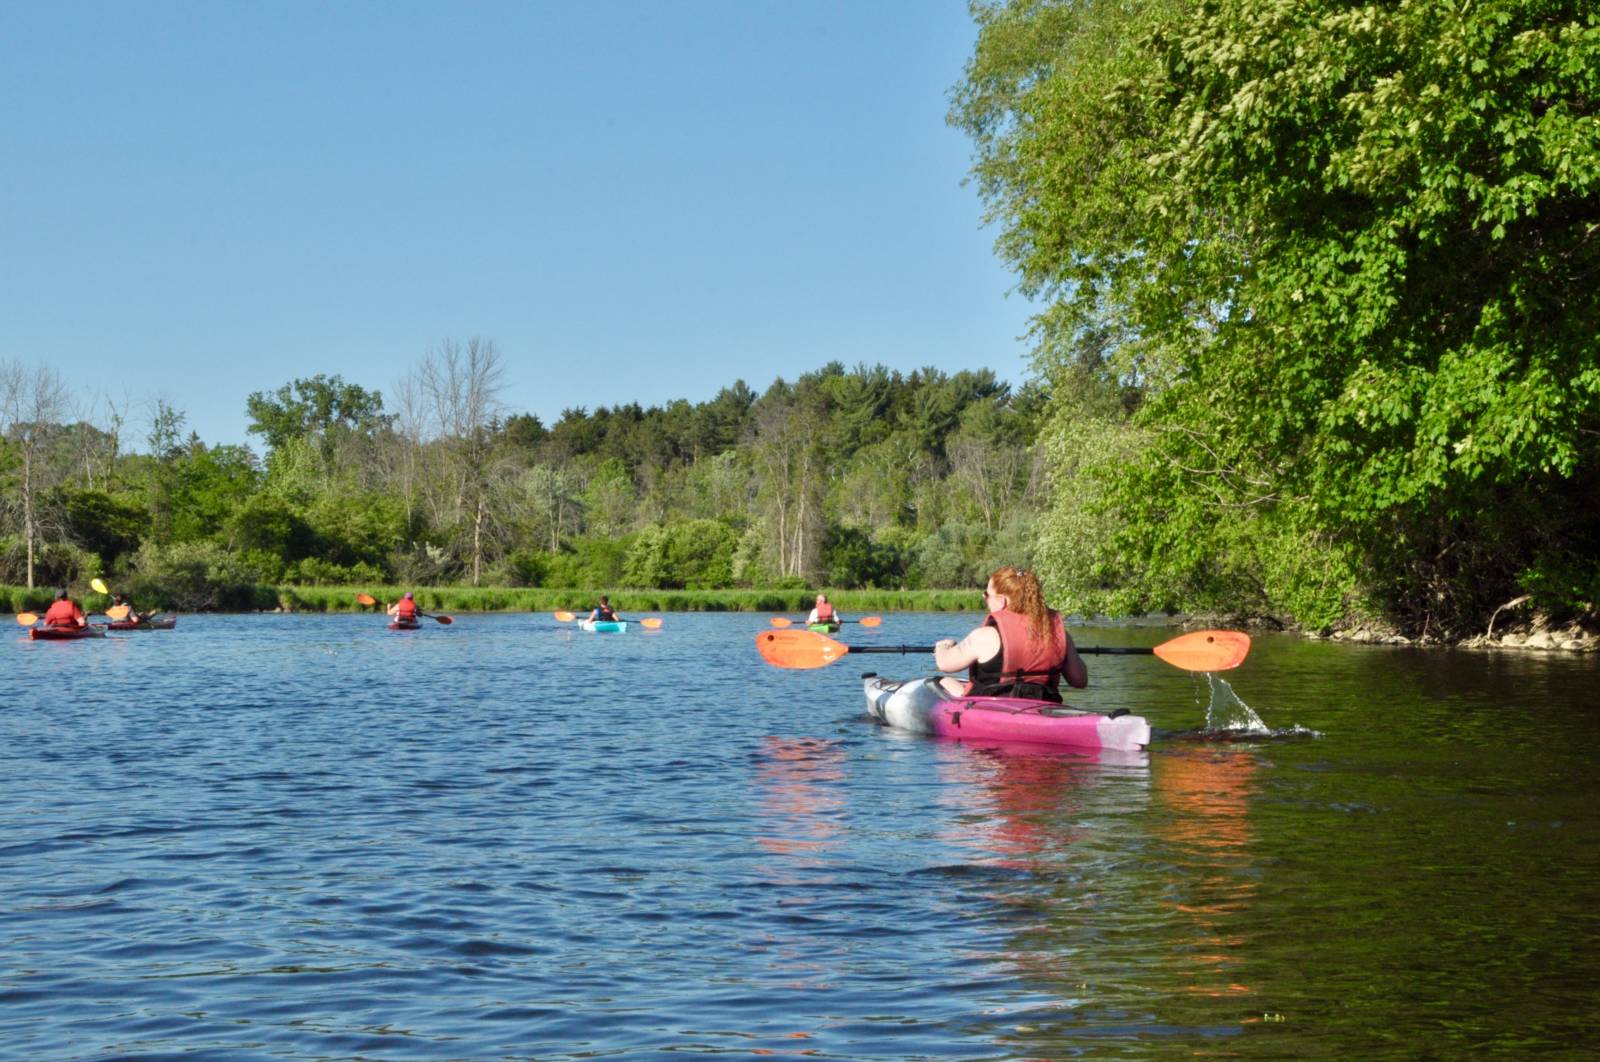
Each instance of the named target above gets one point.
<point>108,525</point>
<point>1345,257</point>
<point>321,409</point>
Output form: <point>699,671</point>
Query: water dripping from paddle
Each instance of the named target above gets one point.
<point>1229,718</point>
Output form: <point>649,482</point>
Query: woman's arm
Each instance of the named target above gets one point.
<point>979,645</point>
<point>1076,674</point>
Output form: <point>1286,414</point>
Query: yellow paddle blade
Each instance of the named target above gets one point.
<point>118,612</point>
<point>799,649</point>
<point>565,617</point>
<point>652,623</point>
<point>870,621</point>
<point>98,585</point>
<point>781,621</point>
<point>1206,650</point>
<point>26,619</point>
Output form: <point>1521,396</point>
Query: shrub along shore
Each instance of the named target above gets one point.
<point>852,603</point>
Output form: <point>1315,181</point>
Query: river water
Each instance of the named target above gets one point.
<point>307,837</point>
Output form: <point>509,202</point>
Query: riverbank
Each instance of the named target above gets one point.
<point>1571,638</point>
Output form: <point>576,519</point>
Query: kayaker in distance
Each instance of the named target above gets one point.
<point>604,612</point>
<point>121,601</point>
<point>405,610</point>
<point>64,612</point>
<point>823,613</point>
<point>1022,650</point>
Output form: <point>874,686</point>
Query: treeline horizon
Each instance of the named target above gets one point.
<point>847,478</point>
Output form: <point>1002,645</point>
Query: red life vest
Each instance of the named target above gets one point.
<point>406,609</point>
<point>1023,660</point>
<point>63,614</point>
<point>824,612</point>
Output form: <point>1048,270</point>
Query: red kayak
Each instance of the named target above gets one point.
<point>65,634</point>
<point>401,625</point>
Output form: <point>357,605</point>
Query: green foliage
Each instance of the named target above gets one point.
<point>694,555</point>
<point>1339,261</point>
<point>525,567</point>
<point>206,488</point>
<point>270,523</point>
<point>55,564</point>
<point>837,475</point>
<point>105,525</point>
<point>195,577</point>
<point>357,528</point>
<point>853,559</point>
<point>590,562</point>
<point>314,571</point>
<point>320,409</point>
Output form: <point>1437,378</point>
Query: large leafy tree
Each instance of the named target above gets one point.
<point>323,409</point>
<point>1345,256</point>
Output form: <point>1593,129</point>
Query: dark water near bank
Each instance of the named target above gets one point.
<point>308,837</point>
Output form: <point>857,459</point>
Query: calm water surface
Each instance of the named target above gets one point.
<point>308,837</point>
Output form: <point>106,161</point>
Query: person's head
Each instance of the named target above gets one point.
<point>822,599</point>
<point>1018,590</point>
<point>117,599</point>
<point>61,595</point>
<point>408,595</point>
<point>604,600</point>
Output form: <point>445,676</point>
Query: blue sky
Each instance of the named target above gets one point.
<point>635,201</point>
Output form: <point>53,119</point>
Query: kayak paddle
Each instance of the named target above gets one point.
<point>27,619</point>
<point>368,599</point>
<point>1198,651</point>
<point>650,622</point>
<point>865,621</point>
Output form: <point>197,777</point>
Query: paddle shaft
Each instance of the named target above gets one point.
<point>1082,650</point>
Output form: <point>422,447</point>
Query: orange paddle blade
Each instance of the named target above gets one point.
<point>1206,650</point>
<point>650,624</point>
<point>799,649</point>
<point>565,617</point>
<point>870,621</point>
<point>781,621</point>
<point>446,620</point>
<point>366,599</point>
<point>26,619</point>
<point>118,612</point>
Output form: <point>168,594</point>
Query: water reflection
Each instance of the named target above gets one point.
<point>1020,807</point>
<point>1205,794</point>
<point>801,799</point>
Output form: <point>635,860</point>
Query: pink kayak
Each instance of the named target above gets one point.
<point>923,706</point>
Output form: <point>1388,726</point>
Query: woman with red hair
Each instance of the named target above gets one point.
<point>1022,650</point>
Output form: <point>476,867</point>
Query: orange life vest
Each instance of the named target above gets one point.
<point>1026,666</point>
<point>63,614</point>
